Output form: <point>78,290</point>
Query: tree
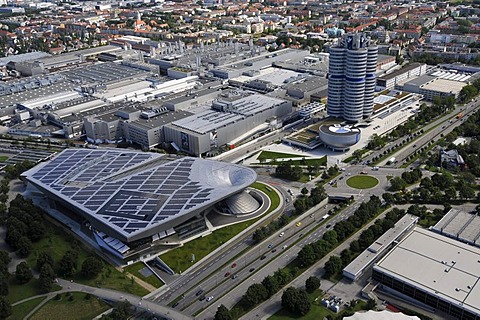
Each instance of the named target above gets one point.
<point>24,246</point>
<point>91,267</point>
<point>5,308</point>
<point>68,264</point>
<point>296,301</point>
<point>44,258</point>
<point>3,285</point>
<point>4,261</point>
<point>255,294</point>
<point>312,284</point>
<point>122,311</point>
<point>397,184</point>
<point>23,274</point>
<point>46,277</point>
<point>223,313</point>
<point>271,284</point>
<point>333,265</point>
<point>307,256</point>
<point>304,191</point>
<point>357,154</point>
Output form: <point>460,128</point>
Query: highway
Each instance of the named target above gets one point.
<point>443,128</point>
<point>423,139</point>
<point>232,295</point>
<point>213,278</point>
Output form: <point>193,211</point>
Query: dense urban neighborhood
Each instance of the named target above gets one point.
<point>223,159</point>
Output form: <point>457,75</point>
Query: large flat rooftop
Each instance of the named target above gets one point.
<point>444,85</point>
<point>460,225</point>
<point>441,266</point>
<point>376,249</point>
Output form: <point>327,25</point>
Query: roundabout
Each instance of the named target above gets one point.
<point>362,182</point>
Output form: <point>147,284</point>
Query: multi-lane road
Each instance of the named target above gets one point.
<point>224,278</point>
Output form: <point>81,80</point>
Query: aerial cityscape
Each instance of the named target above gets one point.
<point>225,159</point>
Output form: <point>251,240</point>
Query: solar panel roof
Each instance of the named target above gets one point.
<point>135,192</point>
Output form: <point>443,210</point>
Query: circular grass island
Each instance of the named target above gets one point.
<point>362,182</point>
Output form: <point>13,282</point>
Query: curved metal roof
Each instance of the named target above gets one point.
<point>135,192</point>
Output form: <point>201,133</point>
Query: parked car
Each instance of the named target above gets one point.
<point>199,292</point>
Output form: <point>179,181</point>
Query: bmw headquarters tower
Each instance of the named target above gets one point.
<point>351,82</point>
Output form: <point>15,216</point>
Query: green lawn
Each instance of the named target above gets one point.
<point>21,310</point>
<point>269,155</point>
<point>362,182</point>
<point>57,242</point>
<point>19,292</point>
<point>79,308</point>
<point>3,158</point>
<point>136,267</point>
<point>179,259</point>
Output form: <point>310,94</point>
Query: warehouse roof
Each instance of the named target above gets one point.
<point>376,249</point>
<point>400,71</point>
<point>444,267</point>
<point>461,225</point>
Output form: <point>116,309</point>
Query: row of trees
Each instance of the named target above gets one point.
<point>305,201</point>
<point>441,188</point>
<point>286,170</point>
<point>313,252</point>
<point>407,178</point>
<point>336,263</point>
<point>24,225</point>
<point>469,91</point>
<point>302,204</point>
<point>294,300</point>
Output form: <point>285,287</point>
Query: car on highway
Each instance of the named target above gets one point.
<point>263,257</point>
<point>234,265</point>
<point>201,298</point>
<point>298,224</point>
<point>281,234</point>
<point>328,226</point>
<point>199,292</point>
<point>270,245</point>
<point>227,274</point>
<point>210,298</point>
<point>176,304</point>
<point>251,269</point>
<point>274,250</point>
<point>234,276</point>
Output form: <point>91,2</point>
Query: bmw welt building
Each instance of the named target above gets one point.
<point>129,201</point>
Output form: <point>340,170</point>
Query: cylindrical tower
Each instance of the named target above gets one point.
<point>353,96</point>
<point>351,84</point>
<point>336,80</point>
<point>370,80</point>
